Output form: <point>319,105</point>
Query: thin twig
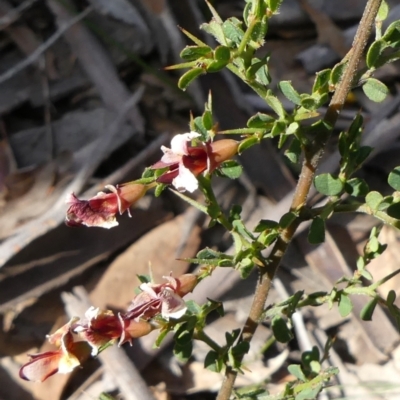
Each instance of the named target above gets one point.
<point>312,158</point>
<point>15,13</point>
<point>43,47</point>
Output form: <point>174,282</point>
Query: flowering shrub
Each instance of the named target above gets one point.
<point>189,164</point>
<point>77,340</point>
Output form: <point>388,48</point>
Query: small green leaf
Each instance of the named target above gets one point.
<point>247,143</point>
<point>231,169</point>
<point>392,34</point>
<point>280,329</point>
<point>183,352</point>
<point>245,267</point>
<point>259,30</point>
<point>374,53</point>
<point>274,5</point>
<point>263,76</point>
<point>214,28</point>
<point>365,273</point>
<point>240,349</point>
<point>328,185</point>
<point>336,74</point>
<point>321,82</point>
<point>296,371</point>
<point>191,53</point>
<point>278,128</point>
<point>383,11</point>
<point>287,219</point>
<point>265,224</point>
<point>394,211</point>
<point>309,356</point>
<point>316,234</point>
<point>216,66</point>
<point>293,153</point>
<point>368,310</point>
<point>394,179</point>
<point>361,155</point>
<point>198,126</point>
<point>159,189</point>
<point>391,297</point>
<point>106,396</point>
<point>261,121</point>
<point>356,187</point>
<point>345,305</point>
<point>373,199</point>
<point>232,30</point>
<point>188,77</point>
<point>289,92</point>
<point>212,362</point>
<point>222,53</point>
<point>309,103</point>
<point>309,393</point>
<point>160,338</point>
<point>275,104</point>
<point>375,90</point>
<point>207,120</point>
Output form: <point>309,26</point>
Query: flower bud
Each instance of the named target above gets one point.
<point>186,284</point>
<point>222,150</point>
<point>133,330</point>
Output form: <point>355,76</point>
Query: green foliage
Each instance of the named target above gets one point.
<point>231,169</point>
<point>328,185</point>
<point>345,305</point>
<point>394,179</point>
<point>375,90</point>
<point>281,330</point>
<point>237,44</point>
<point>316,234</point>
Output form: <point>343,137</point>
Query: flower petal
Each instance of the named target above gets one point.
<point>185,180</point>
<point>41,366</point>
<point>179,143</point>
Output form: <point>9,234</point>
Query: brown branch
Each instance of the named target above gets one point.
<point>312,158</point>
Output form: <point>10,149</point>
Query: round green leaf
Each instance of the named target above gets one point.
<point>394,179</point>
<point>222,53</point>
<point>383,11</point>
<point>328,185</point>
<point>280,329</point>
<point>374,53</point>
<point>345,305</point>
<point>375,90</point>
<point>373,199</point>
